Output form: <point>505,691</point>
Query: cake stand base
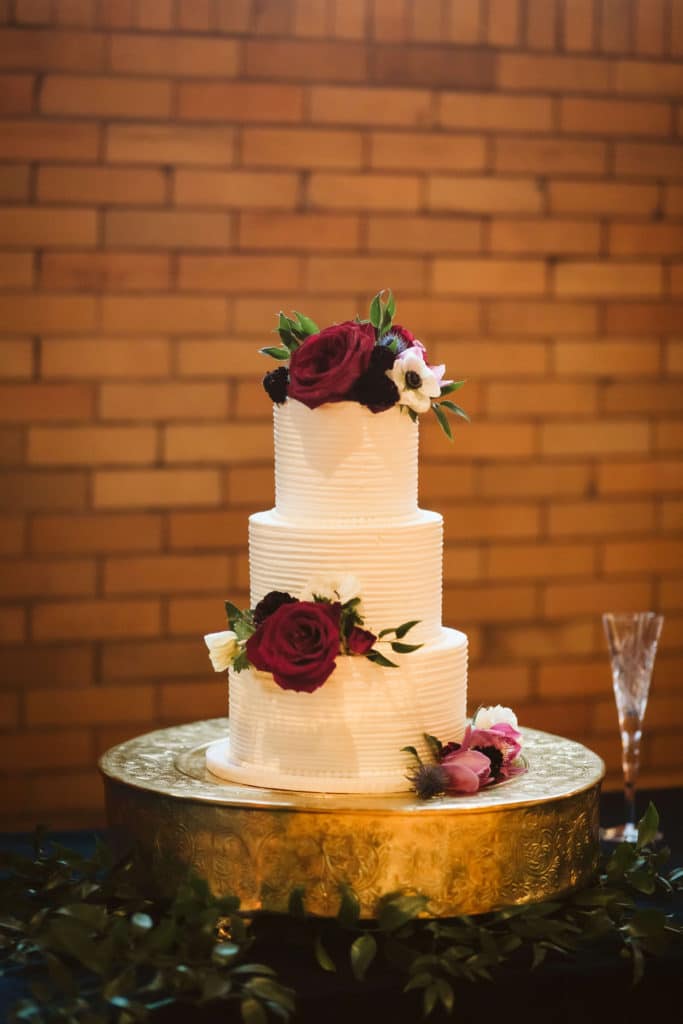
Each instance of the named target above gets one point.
<point>531,838</point>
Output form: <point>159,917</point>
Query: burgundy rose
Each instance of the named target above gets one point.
<point>298,643</point>
<point>359,641</point>
<point>327,365</point>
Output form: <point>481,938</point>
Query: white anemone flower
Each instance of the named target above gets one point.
<point>332,588</point>
<point>417,382</point>
<point>486,717</point>
<point>223,647</point>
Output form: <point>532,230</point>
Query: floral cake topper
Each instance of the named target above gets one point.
<point>375,362</point>
<point>298,639</point>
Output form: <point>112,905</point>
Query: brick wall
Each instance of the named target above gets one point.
<point>172,172</point>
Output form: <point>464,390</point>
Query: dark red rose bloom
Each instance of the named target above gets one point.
<point>298,643</point>
<point>270,603</point>
<point>327,365</point>
<point>359,641</point>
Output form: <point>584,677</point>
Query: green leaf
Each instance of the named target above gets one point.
<point>252,1011</point>
<point>363,952</point>
<point>443,421</point>
<point>376,311</point>
<point>241,662</point>
<point>429,998</point>
<point>391,304</point>
<point>405,648</point>
<point>379,659</point>
<point>413,751</point>
<point>435,746</point>
<point>233,613</point>
<point>446,994</point>
<point>456,409</point>
<point>405,628</point>
<point>395,909</point>
<point>306,325</point>
<point>454,385</point>
<point>648,827</point>
<point>349,906</point>
<point>322,956</point>
<point>413,415</point>
<point>276,353</point>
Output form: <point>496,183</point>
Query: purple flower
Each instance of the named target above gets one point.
<point>467,770</point>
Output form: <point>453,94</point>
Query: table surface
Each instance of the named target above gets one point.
<point>593,987</point>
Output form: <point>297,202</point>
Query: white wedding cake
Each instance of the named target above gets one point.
<point>346,532</point>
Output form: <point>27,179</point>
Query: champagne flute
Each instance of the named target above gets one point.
<point>632,638</point>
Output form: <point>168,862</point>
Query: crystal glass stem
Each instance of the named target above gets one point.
<point>631,732</point>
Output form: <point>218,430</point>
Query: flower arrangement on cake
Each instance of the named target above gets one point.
<point>375,362</point>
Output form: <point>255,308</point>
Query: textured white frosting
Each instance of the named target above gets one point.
<point>347,735</point>
<point>341,461</point>
<point>398,565</point>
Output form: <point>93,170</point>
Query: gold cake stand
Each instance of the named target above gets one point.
<point>531,838</point>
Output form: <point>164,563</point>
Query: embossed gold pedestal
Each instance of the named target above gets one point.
<point>531,838</point>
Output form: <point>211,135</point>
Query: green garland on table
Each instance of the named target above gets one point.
<point>92,946</point>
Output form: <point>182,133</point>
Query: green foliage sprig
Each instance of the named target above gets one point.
<point>96,943</point>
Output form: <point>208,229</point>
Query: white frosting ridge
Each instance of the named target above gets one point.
<point>347,735</point>
<point>398,565</point>
<point>341,461</point>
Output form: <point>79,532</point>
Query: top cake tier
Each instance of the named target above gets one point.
<point>341,461</point>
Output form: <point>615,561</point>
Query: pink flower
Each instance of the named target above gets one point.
<point>501,743</point>
<point>467,770</point>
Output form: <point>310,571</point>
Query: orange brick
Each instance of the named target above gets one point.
<point>651,555</point>
<point>546,398</point>
<point>250,486</point>
<point>47,578</point>
<point>602,278</point>
<point>179,56</point>
<point>479,358</point>
<point>352,105</point>
<point>99,704</point>
<point>614,117</point>
<point>310,148</point>
<point>671,591</point>
<point>257,315</point>
<point>117,13</point>
<point>9,710</point>
<point>553,74</point>
<point>240,189</point>
<point>167,229</point>
<point>601,518</point>
<point>240,101</point>
<point>544,236</point>
<point>197,14</point>
<point>351,273</point>
<point>503,22</point>
<point>317,61</point>
<point>430,317</point>
<point>16,94</point>
<point>310,231</point>
<point>489,277</point>
<point>646,477</point>
<point>462,563</point>
<point>11,535</point>
<point>165,574</point>
<point>48,140</point>
<point>643,317</point>
<point>33,12</point>
<point>596,437</point>
<point>647,78</point>
<point>390,21</point>
<point>12,625</point>
<point>542,24</point>
<point>14,181</point>
<point>205,698</point>
<point>23,403</point>
<point>522,318</point>
<point>426,24</point>
<point>110,185</point>
<point>81,620</point>
<point>105,271</point>
<point>433,234</point>
<point>43,50</point>
<point>11,447</point>
<point>649,26</point>
<point>629,239</point>
<point>540,560</point>
<point>676,27</point>
<point>484,195</point>
<point>490,604</point>
<point>615,25</point>
<point>603,197</point>
<point>490,440</point>
<point>550,156</point>
<point>72,535</point>
<point>674,356</point>
<point>16,268</point>
<point>491,111</point>
<point>428,151</point>
<point>578,25</point>
<point>571,678</point>
<point>671,514</point>
<point>196,616</point>
<point>603,358</point>
<point>648,160</point>
<point>151,314</point>
<point>169,144</point>
<point>203,357</point>
<point>482,521</point>
<point>104,357</point>
<point>490,683</point>
<point>41,489</point>
<point>364,191</point>
<point>310,19</point>
<point>659,397</point>
<point>669,436</point>
<point>105,97</point>
<point>155,659</point>
<point>156,488</point>
<point>155,13</point>
<point>32,226</point>
<point>349,19</point>
<point>92,445</point>
<point>163,401</point>
<point>271,17</point>
<point>535,479</point>
<point>550,640</point>
<point>676,279</point>
<point>63,748</point>
<point>208,530</point>
<point>238,273</point>
<point>248,401</point>
<point>223,442</point>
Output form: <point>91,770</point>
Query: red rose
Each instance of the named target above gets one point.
<point>298,643</point>
<point>327,365</point>
<point>359,641</point>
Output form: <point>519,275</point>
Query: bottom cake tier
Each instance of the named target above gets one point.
<point>347,736</point>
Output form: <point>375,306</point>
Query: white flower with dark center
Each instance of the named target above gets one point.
<point>223,647</point>
<point>486,717</point>
<point>336,588</point>
<point>417,382</point>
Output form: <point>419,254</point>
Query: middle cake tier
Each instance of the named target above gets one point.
<point>399,567</point>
